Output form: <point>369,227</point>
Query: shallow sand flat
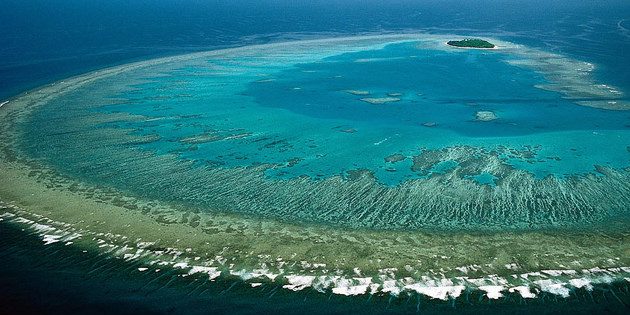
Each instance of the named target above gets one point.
<point>358,92</point>
<point>380,100</point>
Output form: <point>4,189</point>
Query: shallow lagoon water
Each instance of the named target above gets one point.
<point>288,120</point>
<point>267,163</point>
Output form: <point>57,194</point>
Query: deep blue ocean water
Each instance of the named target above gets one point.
<point>46,40</point>
<point>63,280</point>
<point>43,41</point>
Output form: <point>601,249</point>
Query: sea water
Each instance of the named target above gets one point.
<point>280,135</point>
<point>304,116</point>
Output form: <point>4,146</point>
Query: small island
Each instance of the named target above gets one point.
<point>471,43</point>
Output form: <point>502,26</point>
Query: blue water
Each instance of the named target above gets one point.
<point>291,113</point>
<point>116,288</point>
<point>47,40</point>
<point>304,120</point>
<point>44,41</point>
<point>436,86</point>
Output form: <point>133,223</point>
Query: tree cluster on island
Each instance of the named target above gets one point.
<point>471,43</point>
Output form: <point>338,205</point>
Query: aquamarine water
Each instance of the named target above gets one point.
<point>374,117</point>
<point>440,88</point>
<point>262,166</point>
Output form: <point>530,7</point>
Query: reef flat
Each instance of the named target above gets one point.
<point>380,100</point>
<point>193,163</point>
<point>485,116</point>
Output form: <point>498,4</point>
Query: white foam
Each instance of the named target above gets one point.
<point>212,272</point>
<point>145,244</point>
<point>530,274</point>
<point>524,291</point>
<point>354,286</point>
<point>42,228</point>
<point>492,291</point>
<point>374,287</point>
<point>182,265</point>
<point>581,283</point>
<point>297,282</point>
<point>511,266</point>
<point>256,273</point>
<point>390,286</point>
<point>435,287</point>
<point>50,239</point>
<point>324,282</point>
<point>437,292</point>
<point>139,253</point>
<point>466,269</point>
<point>553,287</point>
<point>556,273</point>
<point>49,234</point>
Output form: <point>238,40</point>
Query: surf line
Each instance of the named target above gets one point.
<point>2,104</point>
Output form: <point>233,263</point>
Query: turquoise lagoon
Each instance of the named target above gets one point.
<point>294,115</point>
<point>399,139</point>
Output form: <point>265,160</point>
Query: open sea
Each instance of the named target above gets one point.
<point>314,157</point>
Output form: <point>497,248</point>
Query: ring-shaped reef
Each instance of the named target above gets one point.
<point>375,164</point>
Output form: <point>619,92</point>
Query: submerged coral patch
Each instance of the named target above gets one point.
<point>258,163</point>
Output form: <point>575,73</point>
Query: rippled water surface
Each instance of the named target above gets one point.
<point>360,165</point>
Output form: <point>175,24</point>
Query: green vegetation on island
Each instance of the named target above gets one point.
<point>471,43</point>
